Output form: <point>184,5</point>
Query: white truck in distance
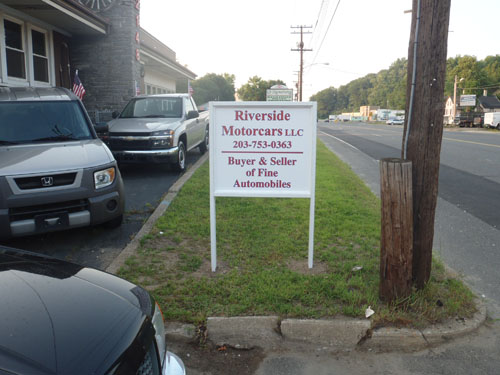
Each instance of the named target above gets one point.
<point>492,119</point>
<point>157,128</point>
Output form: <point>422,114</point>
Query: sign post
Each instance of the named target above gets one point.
<point>262,149</point>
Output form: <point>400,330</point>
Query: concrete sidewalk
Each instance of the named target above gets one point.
<point>269,332</point>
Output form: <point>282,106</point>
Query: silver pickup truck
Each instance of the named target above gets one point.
<point>157,128</point>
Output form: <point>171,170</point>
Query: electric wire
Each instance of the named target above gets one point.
<point>326,32</point>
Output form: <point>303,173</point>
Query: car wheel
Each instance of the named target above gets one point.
<point>204,145</point>
<point>180,165</point>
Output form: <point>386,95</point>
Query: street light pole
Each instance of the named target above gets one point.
<point>455,96</point>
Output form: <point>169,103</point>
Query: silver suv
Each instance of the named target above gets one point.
<point>55,173</point>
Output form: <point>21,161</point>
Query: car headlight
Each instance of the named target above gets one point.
<point>104,177</point>
<point>159,327</point>
<point>162,138</point>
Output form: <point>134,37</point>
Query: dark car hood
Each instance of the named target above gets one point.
<point>47,328</point>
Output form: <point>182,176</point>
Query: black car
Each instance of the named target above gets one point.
<point>57,317</point>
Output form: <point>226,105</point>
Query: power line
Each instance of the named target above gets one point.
<point>323,10</point>
<point>326,32</point>
<point>494,86</point>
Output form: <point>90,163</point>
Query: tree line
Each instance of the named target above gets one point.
<point>387,88</point>
<point>217,87</point>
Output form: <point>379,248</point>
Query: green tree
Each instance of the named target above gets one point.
<point>327,101</point>
<point>468,68</point>
<point>491,68</point>
<point>213,87</point>
<point>387,88</point>
<point>255,89</point>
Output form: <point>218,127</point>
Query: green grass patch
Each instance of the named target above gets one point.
<point>262,246</point>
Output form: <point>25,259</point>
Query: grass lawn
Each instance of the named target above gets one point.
<point>262,246</point>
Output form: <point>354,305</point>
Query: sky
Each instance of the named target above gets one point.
<point>349,38</point>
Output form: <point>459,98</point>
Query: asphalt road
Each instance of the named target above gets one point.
<point>145,185</point>
<point>467,226</point>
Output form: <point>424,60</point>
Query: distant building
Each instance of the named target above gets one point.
<point>488,104</point>
<point>369,111</point>
<point>386,114</point>
<point>448,111</point>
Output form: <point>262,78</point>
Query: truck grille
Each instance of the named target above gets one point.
<point>25,213</point>
<point>37,182</point>
<point>135,145</point>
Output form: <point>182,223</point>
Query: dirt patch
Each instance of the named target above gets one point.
<point>209,359</point>
<point>301,266</point>
<point>206,269</point>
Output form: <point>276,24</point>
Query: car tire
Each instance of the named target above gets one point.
<point>114,223</point>
<point>180,164</point>
<point>204,145</point>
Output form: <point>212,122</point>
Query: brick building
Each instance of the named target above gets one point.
<point>43,42</point>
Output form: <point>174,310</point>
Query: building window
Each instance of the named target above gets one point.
<point>14,47</point>
<point>40,56</point>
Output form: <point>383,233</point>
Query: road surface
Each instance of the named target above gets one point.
<point>467,226</point>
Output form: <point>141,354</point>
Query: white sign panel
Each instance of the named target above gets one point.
<point>467,100</point>
<point>261,149</point>
<point>285,95</point>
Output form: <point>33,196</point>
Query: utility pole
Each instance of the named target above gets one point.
<point>301,49</point>
<point>423,131</point>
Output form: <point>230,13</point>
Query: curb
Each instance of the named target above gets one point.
<point>130,249</point>
<point>341,333</point>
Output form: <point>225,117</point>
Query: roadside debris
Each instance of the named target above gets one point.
<point>369,312</point>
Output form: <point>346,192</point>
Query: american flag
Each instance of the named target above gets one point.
<point>190,89</point>
<point>78,88</point>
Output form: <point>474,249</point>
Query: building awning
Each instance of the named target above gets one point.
<point>68,16</point>
<point>157,56</point>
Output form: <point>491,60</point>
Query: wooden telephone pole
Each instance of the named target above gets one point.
<point>423,129</point>
<point>301,49</point>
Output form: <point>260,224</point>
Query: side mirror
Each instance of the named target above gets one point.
<point>115,114</point>
<point>192,114</point>
<point>101,128</point>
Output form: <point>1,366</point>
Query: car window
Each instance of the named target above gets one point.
<point>153,107</point>
<point>189,106</point>
<point>27,122</point>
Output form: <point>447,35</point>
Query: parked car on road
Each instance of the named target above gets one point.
<point>62,318</point>
<point>55,173</point>
<point>492,119</point>
<point>157,128</point>
<point>395,121</point>
<point>470,119</point>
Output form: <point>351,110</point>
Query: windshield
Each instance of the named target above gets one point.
<point>31,122</point>
<point>158,107</point>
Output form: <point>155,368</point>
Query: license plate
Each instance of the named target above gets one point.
<point>53,221</point>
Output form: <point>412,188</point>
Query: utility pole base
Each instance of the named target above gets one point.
<point>396,243</point>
